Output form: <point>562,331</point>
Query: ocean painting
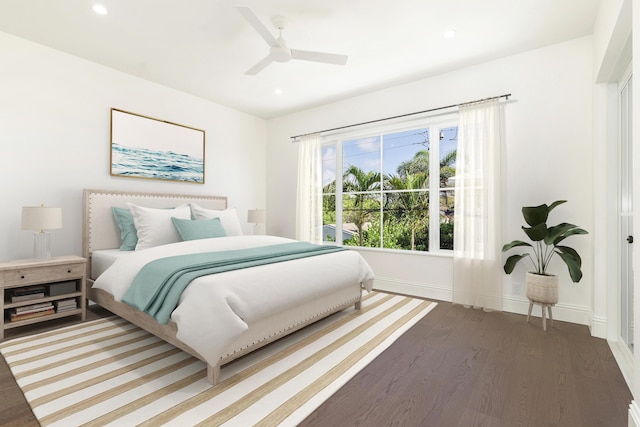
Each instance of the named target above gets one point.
<point>142,147</point>
<point>146,163</point>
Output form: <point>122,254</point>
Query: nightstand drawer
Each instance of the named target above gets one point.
<point>33,275</point>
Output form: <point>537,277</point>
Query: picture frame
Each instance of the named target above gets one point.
<point>149,148</point>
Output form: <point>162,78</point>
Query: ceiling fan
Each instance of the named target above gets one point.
<point>279,51</point>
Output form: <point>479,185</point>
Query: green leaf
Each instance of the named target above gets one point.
<point>569,233</point>
<point>572,264</point>
<point>511,262</point>
<point>535,215</point>
<point>571,251</point>
<point>536,233</point>
<point>514,244</point>
<point>557,231</point>
<point>556,203</point>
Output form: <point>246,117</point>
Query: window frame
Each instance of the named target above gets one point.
<point>435,124</point>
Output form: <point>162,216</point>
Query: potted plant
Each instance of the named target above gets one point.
<point>542,287</point>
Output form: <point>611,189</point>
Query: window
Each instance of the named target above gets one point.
<point>393,187</point>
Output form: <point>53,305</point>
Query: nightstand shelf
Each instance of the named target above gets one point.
<point>18,323</point>
<point>31,275</point>
<point>39,300</point>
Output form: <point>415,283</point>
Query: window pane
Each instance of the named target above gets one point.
<point>406,153</point>
<point>329,218</point>
<point>361,164</point>
<point>447,207</point>
<point>329,169</point>
<point>329,190</point>
<point>406,220</point>
<point>448,152</point>
<point>406,168</point>
<point>359,213</point>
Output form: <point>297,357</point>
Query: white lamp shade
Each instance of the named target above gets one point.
<point>41,218</point>
<point>257,216</point>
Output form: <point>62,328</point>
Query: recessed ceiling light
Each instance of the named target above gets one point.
<point>449,34</point>
<point>278,91</point>
<point>100,9</point>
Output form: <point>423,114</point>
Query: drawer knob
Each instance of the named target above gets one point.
<point>68,271</point>
<point>22,277</point>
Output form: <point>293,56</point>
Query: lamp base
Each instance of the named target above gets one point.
<point>41,246</point>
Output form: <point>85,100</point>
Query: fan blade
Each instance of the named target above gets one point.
<point>258,25</point>
<point>259,66</point>
<point>329,58</point>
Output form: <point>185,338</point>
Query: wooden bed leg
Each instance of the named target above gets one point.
<point>358,305</point>
<point>213,374</point>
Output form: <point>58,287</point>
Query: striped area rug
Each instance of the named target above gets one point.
<point>110,372</point>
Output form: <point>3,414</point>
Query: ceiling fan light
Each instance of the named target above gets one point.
<point>280,54</point>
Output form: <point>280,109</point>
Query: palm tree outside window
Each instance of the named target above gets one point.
<point>395,190</point>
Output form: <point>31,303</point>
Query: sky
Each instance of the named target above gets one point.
<point>398,147</point>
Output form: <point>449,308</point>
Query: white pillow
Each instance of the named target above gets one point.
<point>228,218</point>
<point>154,227</point>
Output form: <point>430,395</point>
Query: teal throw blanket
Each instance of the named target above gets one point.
<point>157,287</point>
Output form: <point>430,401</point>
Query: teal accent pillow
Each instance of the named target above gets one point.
<point>194,229</point>
<point>128,233</point>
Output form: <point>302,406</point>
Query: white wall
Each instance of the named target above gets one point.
<point>547,156</point>
<point>611,34</point>
<point>54,140</point>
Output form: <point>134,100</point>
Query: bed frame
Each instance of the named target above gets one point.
<point>100,231</point>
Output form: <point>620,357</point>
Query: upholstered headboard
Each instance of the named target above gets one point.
<point>100,230</point>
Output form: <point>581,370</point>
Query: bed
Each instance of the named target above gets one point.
<point>222,316</point>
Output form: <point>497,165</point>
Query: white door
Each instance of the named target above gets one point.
<point>626,214</point>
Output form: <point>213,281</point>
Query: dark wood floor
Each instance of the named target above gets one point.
<point>465,367</point>
<point>459,367</point>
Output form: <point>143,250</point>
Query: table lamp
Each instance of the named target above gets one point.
<point>256,216</point>
<point>41,218</point>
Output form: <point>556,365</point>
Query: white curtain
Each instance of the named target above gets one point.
<point>309,205</point>
<point>477,241</point>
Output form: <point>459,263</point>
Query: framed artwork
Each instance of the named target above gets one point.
<point>144,147</point>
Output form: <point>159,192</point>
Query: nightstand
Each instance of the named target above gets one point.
<point>37,291</point>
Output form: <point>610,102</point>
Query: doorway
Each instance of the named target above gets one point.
<point>626,212</point>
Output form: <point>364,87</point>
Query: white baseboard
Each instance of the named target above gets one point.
<point>512,304</point>
<point>634,414</point>
<point>598,326</point>
<point>565,312</point>
<point>624,359</point>
<point>422,290</point>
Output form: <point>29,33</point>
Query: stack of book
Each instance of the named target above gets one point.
<point>65,305</point>
<point>31,311</point>
<point>27,293</point>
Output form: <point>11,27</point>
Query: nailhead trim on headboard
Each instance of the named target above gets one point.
<point>100,228</point>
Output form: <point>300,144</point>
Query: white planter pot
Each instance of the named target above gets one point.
<point>542,289</point>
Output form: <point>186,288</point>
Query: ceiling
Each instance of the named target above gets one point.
<point>204,47</point>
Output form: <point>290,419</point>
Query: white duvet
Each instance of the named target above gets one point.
<point>216,310</point>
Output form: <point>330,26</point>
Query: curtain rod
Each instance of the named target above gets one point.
<point>506,96</point>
